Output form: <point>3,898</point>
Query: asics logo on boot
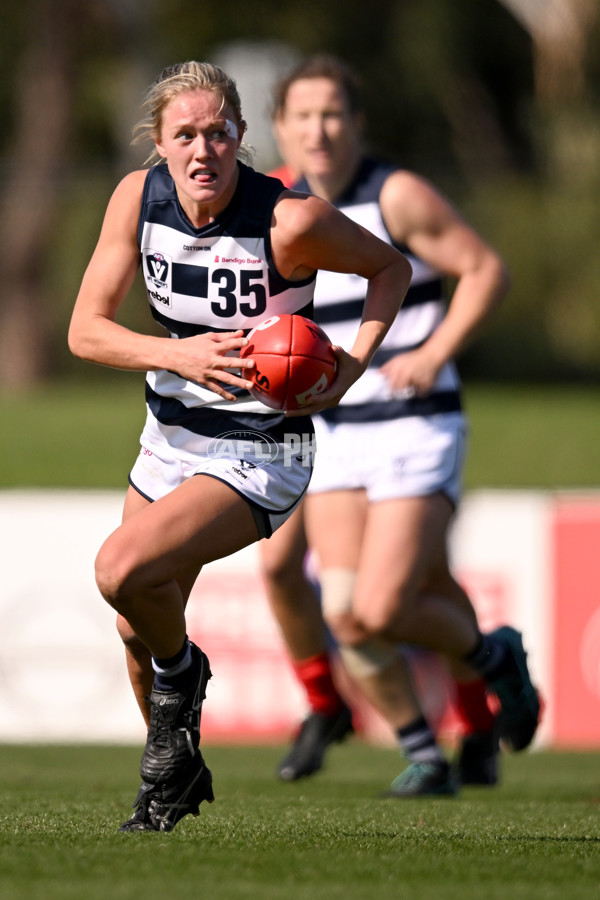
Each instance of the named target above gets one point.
<point>165,701</point>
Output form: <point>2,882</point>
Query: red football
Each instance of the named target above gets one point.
<point>294,361</point>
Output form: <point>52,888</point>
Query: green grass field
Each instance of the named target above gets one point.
<point>85,434</point>
<point>534,837</point>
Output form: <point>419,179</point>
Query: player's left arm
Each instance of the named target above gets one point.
<point>309,234</point>
<point>418,216</point>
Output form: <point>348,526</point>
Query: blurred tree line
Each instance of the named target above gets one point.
<point>495,100</point>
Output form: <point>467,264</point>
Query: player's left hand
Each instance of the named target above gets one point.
<point>410,374</point>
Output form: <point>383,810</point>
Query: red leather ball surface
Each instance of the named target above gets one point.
<point>294,361</point>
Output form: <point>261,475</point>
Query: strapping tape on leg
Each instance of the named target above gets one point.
<point>368,658</point>
<point>337,589</point>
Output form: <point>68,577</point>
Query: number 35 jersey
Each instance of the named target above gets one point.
<point>220,277</point>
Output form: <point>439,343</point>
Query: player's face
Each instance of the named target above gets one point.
<point>199,141</point>
<point>319,128</point>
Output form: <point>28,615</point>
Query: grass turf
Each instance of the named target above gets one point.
<point>536,836</point>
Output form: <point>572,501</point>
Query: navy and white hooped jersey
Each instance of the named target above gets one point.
<point>220,277</point>
<point>339,300</point>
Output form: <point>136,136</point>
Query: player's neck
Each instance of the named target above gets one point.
<point>332,185</point>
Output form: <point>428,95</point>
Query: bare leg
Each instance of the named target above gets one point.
<point>138,566</point>
<point>408,593</point>
<point>137,656</point>
<point>145,570</point>
<point>139,667</point>
<point>391,692</point>
<point>337,522</point>
<point>404,583</point>
<point>297,609</point>
<point>291,597</point>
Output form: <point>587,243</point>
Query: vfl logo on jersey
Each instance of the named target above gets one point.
<point>157,273</point>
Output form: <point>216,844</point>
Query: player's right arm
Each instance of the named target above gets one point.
<point>418,216</point>
<point>96,336</point>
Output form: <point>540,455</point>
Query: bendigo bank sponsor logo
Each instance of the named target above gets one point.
<point>241,261</point>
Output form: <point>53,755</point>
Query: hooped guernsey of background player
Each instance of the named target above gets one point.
<point>186,507</point>
<point>378,524</point>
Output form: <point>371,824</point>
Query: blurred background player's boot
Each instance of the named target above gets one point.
<point>477,762</point>
<point>318,731</point>
<point>520,706</point>
<point>422,779</point>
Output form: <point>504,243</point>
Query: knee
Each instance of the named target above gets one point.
<point>346,629</point>
<point>113,576</point>
<point>341,610</point>
<point>355,616</point>
<point>374,622</point>
<point>363,652</point>
<point>384,617</point>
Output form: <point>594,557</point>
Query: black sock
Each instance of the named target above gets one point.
<point>418,743</point>
<point>175,672</point>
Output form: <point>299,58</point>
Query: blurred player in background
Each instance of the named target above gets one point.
<point>186,221</point>
<point>287,172</point>
<point>388,478</point>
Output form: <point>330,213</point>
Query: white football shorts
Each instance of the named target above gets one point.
<point>273,487</point>
<point>404,457</point>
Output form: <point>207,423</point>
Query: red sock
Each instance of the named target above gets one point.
<point>314,674</point>
<point>472,706</point>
